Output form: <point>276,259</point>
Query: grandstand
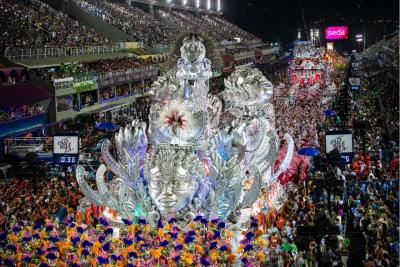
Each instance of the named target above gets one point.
<point>93,55</point>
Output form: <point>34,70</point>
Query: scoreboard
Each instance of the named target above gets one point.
<point>66,149</point>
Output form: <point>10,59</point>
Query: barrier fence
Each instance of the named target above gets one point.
<point>66,83</point>
<point>19,54</point>
<point>28,144</point>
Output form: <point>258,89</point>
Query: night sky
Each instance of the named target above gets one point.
<point>278,20</point>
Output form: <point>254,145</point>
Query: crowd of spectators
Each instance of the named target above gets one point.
<point>140,87</point>
<point>374,172</point>
<point>376,110</point>
<point>274,70</point>
<point>373,202</point>
<point>104,66</point>
<point>27,200</point>
<point>131,20</point>
<point>88,68</point>
<point>14,79</point>
<point>301,120</point>
<point>384,53</point>
<point>374,205</point>
<point>16,113</point>
<point>34,24</point>
<point>225,26</point>
<point>237,50</point>
<point>216,27</point>
<point>286,247</point>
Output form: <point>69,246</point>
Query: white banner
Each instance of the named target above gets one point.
<point>68,79</point>
<point>343,142</point>
<point>354,81</point>
<point>66,145</point>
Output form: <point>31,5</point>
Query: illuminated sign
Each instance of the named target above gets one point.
<point>355,83</point>
<point>66,149</point>
<point>343,142</point>
<point>336,32</point>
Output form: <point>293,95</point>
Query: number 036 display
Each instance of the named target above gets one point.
<point>66,149</point>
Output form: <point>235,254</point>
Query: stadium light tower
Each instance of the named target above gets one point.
<point>359,39</point>
<point>197,3</point>
<point>208,4</point>
<point>168,1</point>
<point>184,2</point>
<point>218,5</point>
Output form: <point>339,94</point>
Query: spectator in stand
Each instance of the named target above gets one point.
<point>34,24</point>
<point>19,202</point>
<point>131,20</point>
<point>13,113</point>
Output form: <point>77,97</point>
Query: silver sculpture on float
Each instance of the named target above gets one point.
<point>198,151</point>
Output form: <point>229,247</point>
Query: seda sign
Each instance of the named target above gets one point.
<point>336,32</point>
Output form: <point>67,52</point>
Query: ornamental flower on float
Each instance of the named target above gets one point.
<point>49,225</point>
<point>198,249</point>
<point>26,236</point>
<point>53,237</point>
<point>198,218</point>
<point>103,221</point>
<point>187,258</point>
<point>223,248</point>
<point>27,257</point>
<point>142,221</point>
<point>249,235</point>
<point>248,247</point>
<point>3,235</point>
<point>16,228</point>
<point>9,262</point>
<point>127,222</point>
<point>108,231</point>
<point>37,225</point>
<point>11,247</point>
<point>51,256</point>
<point>86,243</point>
<point>205,261</point>
<point>75,239</point>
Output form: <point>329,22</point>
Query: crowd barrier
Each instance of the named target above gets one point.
<point>28,144</point>
<point>19,54</point>
<point>66,83</point>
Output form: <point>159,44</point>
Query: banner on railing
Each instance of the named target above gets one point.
<point>131,45</point>
<point>84,86</point>
<point>19,54</point>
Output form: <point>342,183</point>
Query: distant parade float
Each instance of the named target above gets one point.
<point>199,154</point>
<point>307,66</point>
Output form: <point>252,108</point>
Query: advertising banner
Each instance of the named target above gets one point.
<point>343,142</point>
<point>336,32</point>
<point>355,83</point>
<point>66,149</point>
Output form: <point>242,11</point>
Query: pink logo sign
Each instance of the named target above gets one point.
<point>336,32</point>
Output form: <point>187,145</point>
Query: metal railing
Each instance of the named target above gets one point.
<point>66,83</point>
<point>19,54</point>
<point>28,144</point>
<point>120,73</point>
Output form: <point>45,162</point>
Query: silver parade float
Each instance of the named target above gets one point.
<point>200,153</point>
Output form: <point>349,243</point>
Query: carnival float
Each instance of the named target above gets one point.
<point>199,154</point>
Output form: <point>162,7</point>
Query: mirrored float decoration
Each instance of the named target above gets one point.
<point>200,154</point>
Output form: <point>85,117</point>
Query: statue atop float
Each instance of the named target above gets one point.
<point>200,153</point>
